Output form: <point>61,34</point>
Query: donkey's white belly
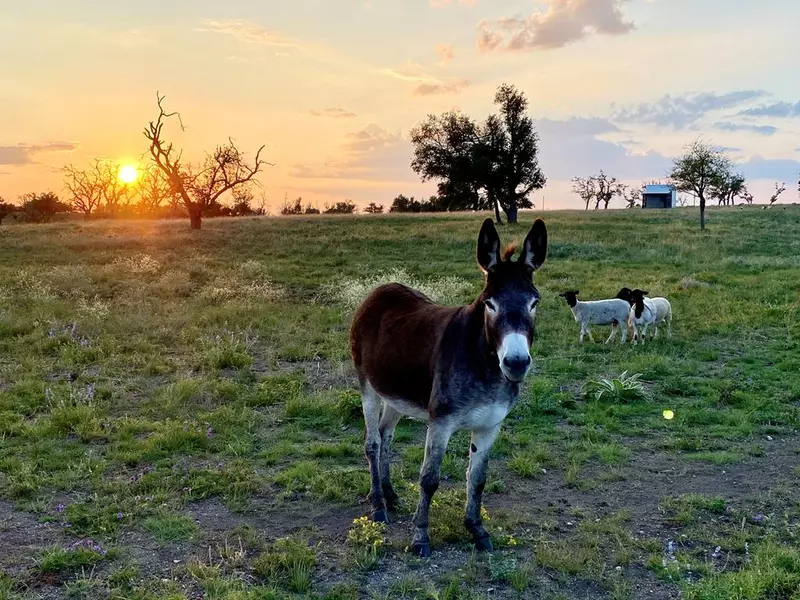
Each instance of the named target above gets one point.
<point>484,416</point>
<point>407,409</point>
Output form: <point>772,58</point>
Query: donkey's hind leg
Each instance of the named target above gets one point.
<point>388,422</point>
<point>372,405</point>
<point>480,446</point>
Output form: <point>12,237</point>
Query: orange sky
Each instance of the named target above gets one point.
<point>332,87</point>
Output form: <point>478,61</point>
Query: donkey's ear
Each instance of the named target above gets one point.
<point>488,246</point>
<point>534,248</point>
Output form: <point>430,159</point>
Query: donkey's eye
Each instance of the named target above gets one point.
<point>490,305</point>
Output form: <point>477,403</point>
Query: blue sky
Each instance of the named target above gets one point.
<point>333,87</point>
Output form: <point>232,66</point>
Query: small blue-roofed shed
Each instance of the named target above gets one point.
<point>659,196</point>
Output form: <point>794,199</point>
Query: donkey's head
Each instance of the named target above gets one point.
<point>509,297</point>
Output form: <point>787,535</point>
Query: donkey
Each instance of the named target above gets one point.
<point>455,367</point>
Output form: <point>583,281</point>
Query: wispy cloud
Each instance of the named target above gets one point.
<point>23,154</point>
<point>333,113</point>
<point>451,86</point>
<point>426,84</point>
<point>446,54</point>
<point>576,126</point>
<point>679,112</point>
<point>759,129</point>
<point>443,3</point>
<point>779,109</point>
<point>251,33</point>
<point>372,153</point>
<point>564,22</point>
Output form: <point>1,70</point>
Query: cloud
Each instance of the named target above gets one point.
<point>251,33</point>
<point>451,86</point>
<point>680,112</point>
<point>778,169</point>
<point>370,154</point>
<point>575,126</point>
<point>580,154</point>
<point>443,3</point>
<point>779,109</point>
<point>564,22</point>
<point>333,113</point>
<point>427,85</point>
<point>23,154</point>
<point>446,54</point>
<point>759,129</point>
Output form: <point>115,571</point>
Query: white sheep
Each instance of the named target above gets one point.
<point>614,312</point>
<point>649,311</point>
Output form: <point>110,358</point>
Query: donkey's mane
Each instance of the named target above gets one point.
<point>509,251</point>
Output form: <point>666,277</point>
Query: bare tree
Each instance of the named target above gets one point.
<point>585,189</point>
<point>199,188</point>
<point>633,197</point>
<point>779,189</point>
<point>84,188</point>
<point>728,187</point>
<point>114,192</point>
<point>697,171</point>
<point>606,188</point>
<point>6,209</point>
<point>154,189</point>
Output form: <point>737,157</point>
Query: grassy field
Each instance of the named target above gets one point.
<point>179,417</point>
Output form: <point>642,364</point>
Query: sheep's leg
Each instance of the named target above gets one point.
<point>669,327</point>
<point>644,333</point>
<point>635,334</point>
<point>583,332</point>
<point>655,331</point>
<point>613,332</point>
<point>624,328</point>
<point>589,332</point>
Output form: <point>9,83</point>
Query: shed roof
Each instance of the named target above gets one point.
<point>656,188</point>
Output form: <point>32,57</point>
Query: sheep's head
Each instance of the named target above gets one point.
<point>625,294</point>
<point>637,301</point>
<point>571,297</point>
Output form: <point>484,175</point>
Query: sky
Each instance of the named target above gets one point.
<point>333,87</point>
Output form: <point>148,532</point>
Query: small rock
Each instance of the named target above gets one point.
<point>769,438</point>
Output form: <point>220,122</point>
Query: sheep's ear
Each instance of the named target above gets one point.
<point>576,292</point>
<point>534,248</point>
<point>488,246</point>
<point>644,293</point>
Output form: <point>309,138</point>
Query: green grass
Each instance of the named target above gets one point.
<point>191,392</point>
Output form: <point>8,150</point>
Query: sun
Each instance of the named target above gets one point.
<point>128,174</point>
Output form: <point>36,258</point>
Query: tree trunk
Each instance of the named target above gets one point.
<point>511,212</point>
<point>195,217</point>
<point>702,213</point>
<point>497,216</point>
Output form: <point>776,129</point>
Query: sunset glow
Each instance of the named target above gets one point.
<point>332,89</point>
<point>128,174</point>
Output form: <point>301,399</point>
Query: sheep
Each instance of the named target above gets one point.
<point>599,312</point>
<point>649,311</point>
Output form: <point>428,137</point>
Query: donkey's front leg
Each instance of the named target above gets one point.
<point>482,441</point>
<point>435,445</point>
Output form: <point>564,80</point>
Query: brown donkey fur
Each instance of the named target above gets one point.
<point>454,367</point>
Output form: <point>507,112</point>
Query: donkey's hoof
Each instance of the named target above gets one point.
<point>484,544</point>
<point>422,550</point>
<point>380,516</point>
